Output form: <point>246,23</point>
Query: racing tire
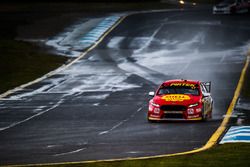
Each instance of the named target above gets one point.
<point>203,116</point>
<point>210,116</point>
<point>232,11</point>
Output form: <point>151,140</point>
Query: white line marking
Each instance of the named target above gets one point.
<point>235,141</point>
<point>53,146</point>
<point>20,107</point>
<point>71,152</point>
<point>238,128</point>
<point>238,131</point>
<point>104,132</point>
<point>134,152</point>
<point>120,123</point>
<point>29,118</point>
<point>40,108</point>
<point>223,58</point>
<point>236,135</point>
<point>96,104</point>
<point>150,39</point>
<point>185,68</point>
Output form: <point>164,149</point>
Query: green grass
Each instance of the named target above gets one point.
<point>21,62</point>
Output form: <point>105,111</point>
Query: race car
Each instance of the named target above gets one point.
<point>232,7</point>
<point>181,100</point>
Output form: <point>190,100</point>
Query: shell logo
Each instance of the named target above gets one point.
<point>175,97</point>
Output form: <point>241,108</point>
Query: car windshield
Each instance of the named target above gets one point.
<point>178,90</point>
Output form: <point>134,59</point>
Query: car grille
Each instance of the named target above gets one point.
<point>173,111</point>
<point>173,108</point>
<point>175,116</point>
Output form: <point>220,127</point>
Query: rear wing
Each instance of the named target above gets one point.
<point>207,85</point>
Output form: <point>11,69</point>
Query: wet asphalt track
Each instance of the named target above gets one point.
<point>96,109</point>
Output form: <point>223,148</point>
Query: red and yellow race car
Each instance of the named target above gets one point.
<point>181,100</point>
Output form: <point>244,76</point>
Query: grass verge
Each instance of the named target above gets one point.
<point>21,62</point>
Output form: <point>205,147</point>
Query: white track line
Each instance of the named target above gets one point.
<point>120,123</point>
<point>33,116</point>
<point>71,152</point>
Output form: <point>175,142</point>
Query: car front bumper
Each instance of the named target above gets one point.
<point>174,119</point>
<point>221,10</point>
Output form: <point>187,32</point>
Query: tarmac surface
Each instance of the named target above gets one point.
<point>96,109</point>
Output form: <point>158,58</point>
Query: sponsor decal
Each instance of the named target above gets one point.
<point>175,97</point>
<point>192,86</point>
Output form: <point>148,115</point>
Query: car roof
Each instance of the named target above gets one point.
<point>181,81</point>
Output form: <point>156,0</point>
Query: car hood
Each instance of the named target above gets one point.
<point>176,99</point>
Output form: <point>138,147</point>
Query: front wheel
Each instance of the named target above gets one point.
<point>210,113</point>
<point>233,11</point>
<point>207,116</point>
<point>204,117</point>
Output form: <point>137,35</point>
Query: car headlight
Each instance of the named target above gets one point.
<point>157,110</point>
<point>154,104</point>
<point>193,105</point>
<point>190,111</point>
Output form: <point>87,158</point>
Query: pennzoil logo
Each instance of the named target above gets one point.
<point>175,97</point>
<point>192,86</point>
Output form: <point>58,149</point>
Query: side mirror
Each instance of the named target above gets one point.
<point>206,95</point>
<point>207,85</point>
<point>151,94</point>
